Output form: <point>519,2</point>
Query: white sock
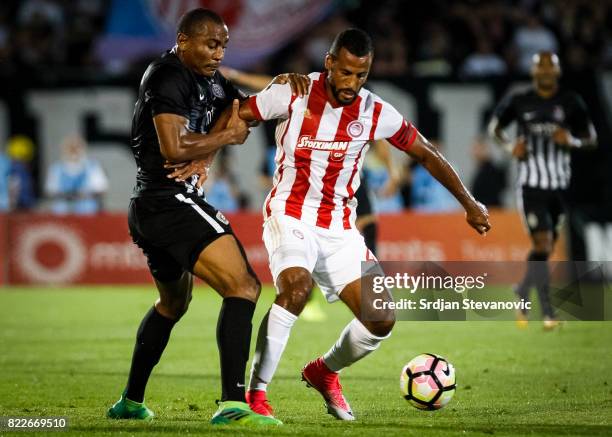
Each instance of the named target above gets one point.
<point>271,341</point>
<point>355,342</point>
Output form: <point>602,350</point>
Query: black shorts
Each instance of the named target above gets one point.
<point>173,231</point>
<point>542,209</point>
<point>362,195</point>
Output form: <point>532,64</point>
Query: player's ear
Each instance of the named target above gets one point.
<point>329,60</point>
<point>181,40</point>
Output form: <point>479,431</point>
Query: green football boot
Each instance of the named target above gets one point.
<point>239,413</point>
<point>127,409</point>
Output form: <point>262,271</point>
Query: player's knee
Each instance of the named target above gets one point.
<point>174,308</point>
<point>380,328</point>
<point>295,287</point>
<point>295,300</point>
<point>246,287</point>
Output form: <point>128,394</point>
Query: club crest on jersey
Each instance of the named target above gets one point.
<point>217,91</point>
<point>354,128</point>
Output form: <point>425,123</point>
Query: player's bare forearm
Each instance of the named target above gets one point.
<point>435,163</point>
<point>255,82</point>
<point>178,144</point>
<point>184,170</point>
<point>246,113</point>
<point>299,82</point>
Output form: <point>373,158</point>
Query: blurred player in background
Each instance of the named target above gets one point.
<point>186,111</point>
<point>309,229</point>
<point>550,122</point>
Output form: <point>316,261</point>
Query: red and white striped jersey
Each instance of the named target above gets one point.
<point>321,148</point>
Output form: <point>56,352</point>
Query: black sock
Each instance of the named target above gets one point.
<point>234,341</point>
<point>370,232</point>
<point>541,279</point>
<point>151,340</point>
<point>528,279</point>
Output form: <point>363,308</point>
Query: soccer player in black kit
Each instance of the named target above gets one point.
<point>550,122</point>
<point>185,112</point>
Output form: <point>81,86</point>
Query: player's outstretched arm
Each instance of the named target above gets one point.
<point>178,144</point>
<point>257,82</point>
<point>429,157</point>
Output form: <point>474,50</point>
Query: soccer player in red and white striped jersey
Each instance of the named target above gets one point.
<point>309,229</point>
<point>321,146</point>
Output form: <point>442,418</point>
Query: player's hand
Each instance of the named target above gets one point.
<point>562,137</point>
<point>184,170</point>
<point>477,217</point>
<point>520,148</point>
<point>239,129</point>
<point>299,82</point>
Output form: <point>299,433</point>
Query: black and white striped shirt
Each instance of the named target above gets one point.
<point>547,165</point>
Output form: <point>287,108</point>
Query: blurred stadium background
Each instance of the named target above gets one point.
<point>70,71</point>
<point>69,74</point>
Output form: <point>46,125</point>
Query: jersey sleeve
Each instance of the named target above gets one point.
<point>578,120</point>
<point>505,111</point>
<point>392,126</point>
<point>168,92</point>
<point>272,103</point>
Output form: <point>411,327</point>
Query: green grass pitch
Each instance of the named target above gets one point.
<point>66,352</point>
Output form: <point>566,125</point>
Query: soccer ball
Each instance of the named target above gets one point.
<point>428,382</point>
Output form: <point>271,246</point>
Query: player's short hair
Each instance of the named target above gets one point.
<point>191,21</point>
<point>356,41</point>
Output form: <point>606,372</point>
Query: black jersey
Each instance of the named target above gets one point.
<point>167,86</point>
<point>547,165</point>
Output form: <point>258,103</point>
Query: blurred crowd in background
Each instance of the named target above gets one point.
<point>466,38</point>
<point>461,39</point>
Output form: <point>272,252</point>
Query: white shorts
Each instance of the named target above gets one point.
<point>332,257</point>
